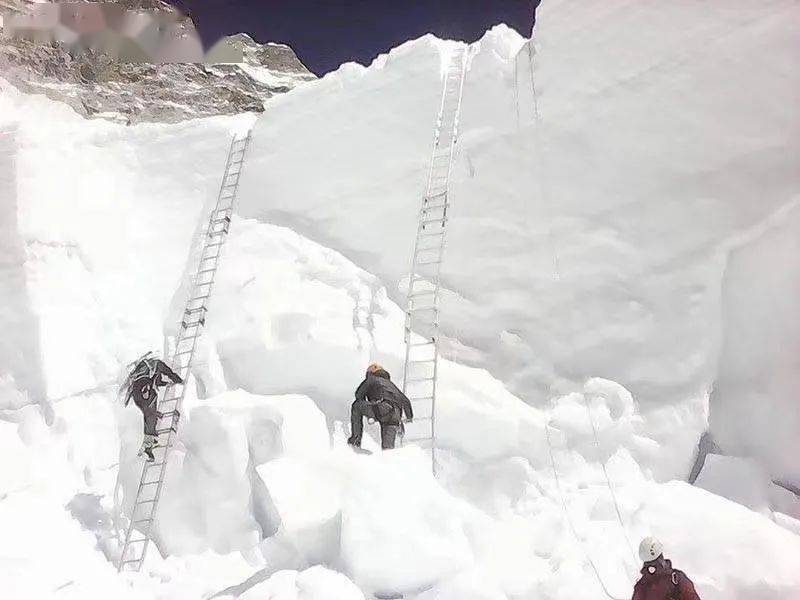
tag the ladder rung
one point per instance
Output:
(194, 310)
(420, 379)
(434, 234)
(428, 262)
(150, 520)
(130, 561)
(420, 398)
(418, 324)
(420, 344)
(439, 220)
(420, 362)
(422, 293)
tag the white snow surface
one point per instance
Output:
(619, 263)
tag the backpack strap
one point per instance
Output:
(676, 593)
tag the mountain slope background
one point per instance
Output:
(95, 84)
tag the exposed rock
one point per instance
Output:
(100, 86)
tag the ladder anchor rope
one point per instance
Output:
(145, 505)
(422, 358)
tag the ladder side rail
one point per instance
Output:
(456, 124)
(437, 132)
(415, 253)
(181, 338)
(437, 138)
(454, 141)
(441, 160)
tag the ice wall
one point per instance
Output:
(99, 234)
(589, 242)
(21, 377)
(755, 406)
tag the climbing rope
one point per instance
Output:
(608, 480)
(541, 161)
(543, 190)
(569, 519)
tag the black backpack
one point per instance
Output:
(141, 377)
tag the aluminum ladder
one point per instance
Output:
(422, 303)
(151, 483)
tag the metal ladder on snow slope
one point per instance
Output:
(422, 308)
(151, 483)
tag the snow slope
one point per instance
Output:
(588, 316)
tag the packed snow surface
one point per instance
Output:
(620, 273)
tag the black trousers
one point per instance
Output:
(150, 415)
(383, 413)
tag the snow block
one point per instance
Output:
(316, 583)
(741, 480)
(400, 530)
(214, 497)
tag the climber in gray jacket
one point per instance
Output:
(379, 399)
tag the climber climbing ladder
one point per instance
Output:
(422, 309)
(143, 512)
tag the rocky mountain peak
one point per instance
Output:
(98, 84)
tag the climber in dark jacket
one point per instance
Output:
(143, 384)
(379, 399)
(659, 580)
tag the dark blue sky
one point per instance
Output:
(327, 33)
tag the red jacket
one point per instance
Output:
(664, 583)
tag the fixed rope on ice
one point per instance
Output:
(570, 523)
(608, 480)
